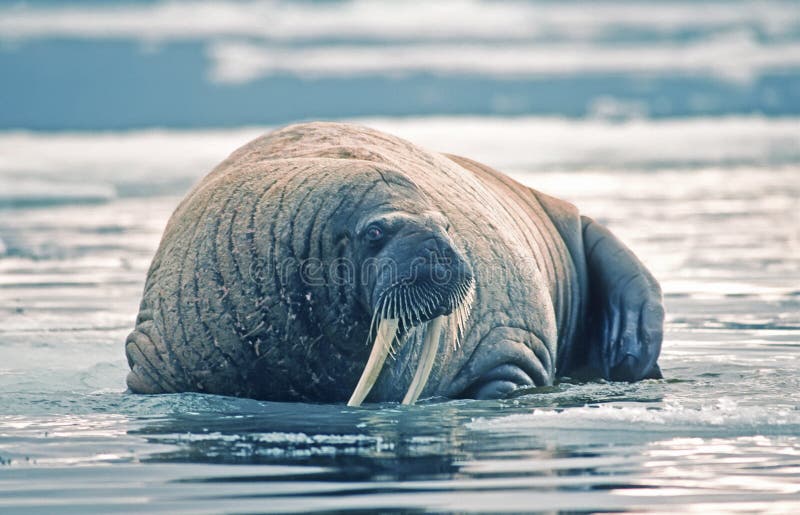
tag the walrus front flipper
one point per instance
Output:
(626, 313)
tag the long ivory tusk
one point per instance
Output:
(387, 329)
(429, 349)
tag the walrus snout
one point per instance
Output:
(429, 278)
(421, 280)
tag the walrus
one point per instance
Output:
(329, 262)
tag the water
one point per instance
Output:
(722, 431)
(80, 65)
(674, 123)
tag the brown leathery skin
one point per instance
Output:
(219, 315)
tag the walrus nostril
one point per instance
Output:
(433, 249)
(439, 270)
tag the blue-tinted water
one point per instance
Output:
(722, 429)
(689, 150)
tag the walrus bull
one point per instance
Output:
(312, 254)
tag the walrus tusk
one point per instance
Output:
(427, 357)
(387, 329)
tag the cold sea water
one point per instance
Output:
(710, 205)
(677, 126)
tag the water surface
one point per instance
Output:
(711, 205)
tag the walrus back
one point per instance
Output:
(552, 230)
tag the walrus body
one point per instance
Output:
(302, 260)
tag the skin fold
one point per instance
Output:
(320, 247)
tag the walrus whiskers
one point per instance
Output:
(405, 305)
(466, 295)
(423, 301)
(461, 301)
(402, 312)
(419, 304)
(452, 330)
(414, 317)
(414, 300)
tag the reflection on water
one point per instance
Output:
(721, 432)
(206, 453)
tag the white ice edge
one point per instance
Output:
(671, 417)
(737, 57)
(385, 19)
(506, 142)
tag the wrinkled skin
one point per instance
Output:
(264, 285)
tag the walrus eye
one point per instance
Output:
(374, 233)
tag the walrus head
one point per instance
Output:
(411, 275)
